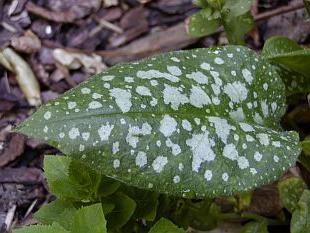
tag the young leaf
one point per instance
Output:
(306, 146)
(146, 201)
(290, 191)
(54, 228)
(70, 179)
(57, 211)
(287, 53)
(89, 219)
(197, 123)
(300, 222)
(165, 226)
(237, 27)
(203, 23)
(124, 209)
(237, 7)
(255, 227)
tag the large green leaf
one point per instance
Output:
(193, 123)
(288, 53)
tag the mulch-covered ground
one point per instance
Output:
(61, 43)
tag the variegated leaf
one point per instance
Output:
(193, 123)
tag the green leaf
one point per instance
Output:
(146, 202)
(288, 54)
(300, 222)
(197, 123)
(124, 209)
(202, 215)
(57, 175)
(165, 226)
(89, 219)
(70, 179)
(54, 228)
(237, 7)
(306, 145)
(237, 27)
(290, 191)
(295, 83)
(57, 211)
(203, 23)
(255, 227)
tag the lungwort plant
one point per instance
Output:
(194, 124)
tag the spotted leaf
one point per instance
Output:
(193, 123)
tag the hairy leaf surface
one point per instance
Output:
(193, 123)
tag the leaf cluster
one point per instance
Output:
(233, 15)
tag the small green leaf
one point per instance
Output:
(165, 226)
(237, 27)
(71, 179)
(202, 215)
(124, 209)
(57, 174)
(255, 227)
(288, 54)
(290, 191)
(146, 201)
(203, 23)
(89, 219)
(237, 7)
(197, 123)
(54, 228)
(300, 222)
(57, 211)
(306, 145)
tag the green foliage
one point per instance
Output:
(123, 210)
(203, 23)
(234, 15)
(306, 146)
(165, 226)
(190, 123)
(290, 191)
(58, 211)
(89, 219)
(293, 62)
(300, 222)
(288, 53)
(255, 227)
(54, 228)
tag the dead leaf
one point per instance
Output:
(28, 43)
(74, 60)
(24, 75)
